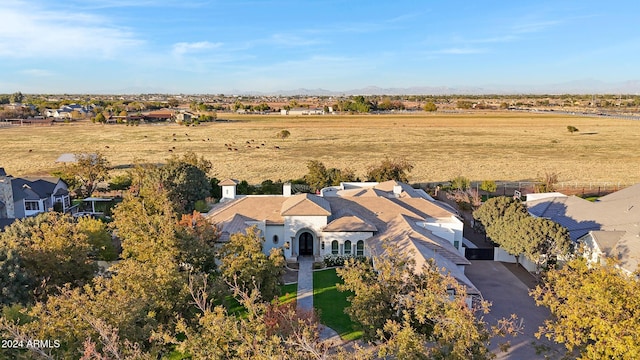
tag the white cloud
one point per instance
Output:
(28, 31)
(182, 48)
(37, 72)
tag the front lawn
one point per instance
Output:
(330, 304)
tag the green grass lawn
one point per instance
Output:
(330, 304)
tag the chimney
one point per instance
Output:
(286, 189)
(6, 195)
(228, 189)
(397, 190)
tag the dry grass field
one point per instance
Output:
(498, 146)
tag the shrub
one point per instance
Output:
(572, 129)
(339, 260)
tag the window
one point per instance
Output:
(360, 248)
(456, 244)
(347, 247)
(334, 247)
(31, 205)
(275, 239)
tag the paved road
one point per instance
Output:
(509, 295)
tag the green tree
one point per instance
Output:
(595, 310)
(489, 186)
(415, 313)
(100, 118)
(243, 262)
(86, 173)
(283, 134)
(464, 104)
(121, 182)
(99, 237)
(16, 97)
(572, 129)
(16, 284)
(173, 102)
(317, 176)
(186, 183)
(390, 169)
(52, 248)
(430, 107)
(507, 223)
(460, 183)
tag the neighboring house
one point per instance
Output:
(159, 115)
(185, 116)
(302, 111)
(353, 219)
(608, 227)
(23, 197)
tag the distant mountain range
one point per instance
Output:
(585, 86)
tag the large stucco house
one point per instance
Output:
(352, 219)
(23, 197)
(607, 228)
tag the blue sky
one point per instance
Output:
(200, 46)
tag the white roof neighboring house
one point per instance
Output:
(612, 223)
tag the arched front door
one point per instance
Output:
(306, 243)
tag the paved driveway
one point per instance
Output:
(509, 295)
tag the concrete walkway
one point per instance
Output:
(305, 283)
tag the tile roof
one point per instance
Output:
(305, 205)
(228, 182)
(349, 223)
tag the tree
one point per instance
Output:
(416, 313)
(17, 285)
(497, 208)
(52, 248)
(185, 184)
(547, 183)
(461, 183)
(317, 176)
(120, 182)
(283, 134)
(390, 169)
(100, 118)
(320, 177)
(16, 97)
(488, 186)
(595, 310)
(88, 171)
(197, 239)
(243, 262)
(430, 107)
(507, 223)
(173, 102)
(572, 129)
(99, 238)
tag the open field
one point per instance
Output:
(497, 146)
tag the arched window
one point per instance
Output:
(360, 248)
(347, 247)
(334, 247)
(275, 239)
